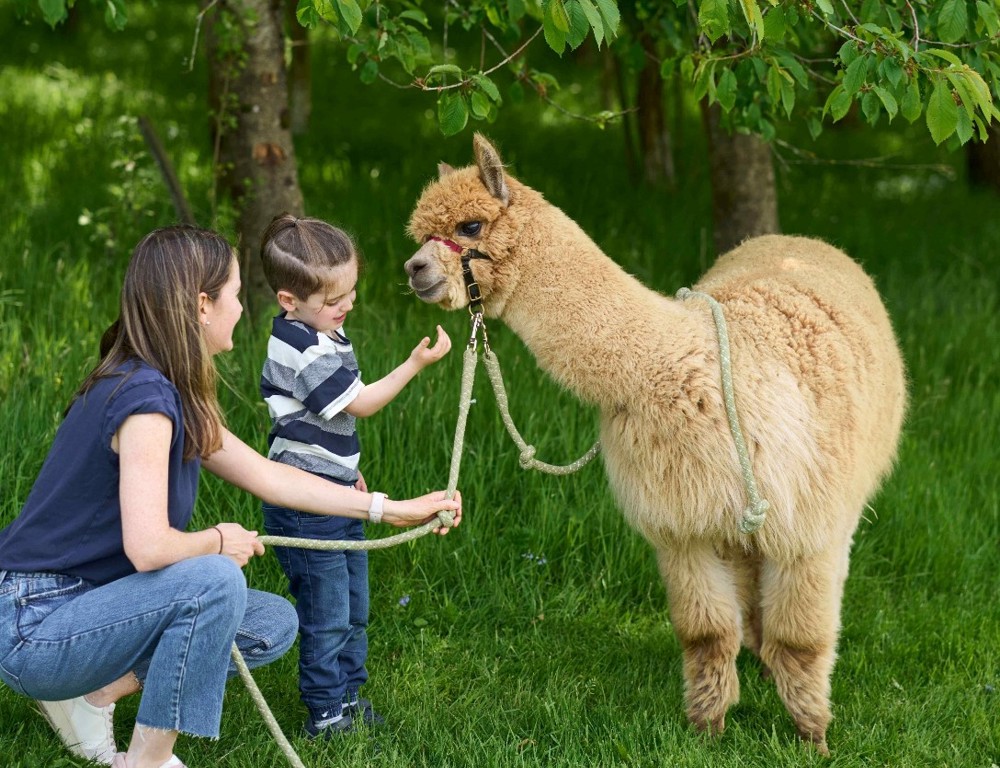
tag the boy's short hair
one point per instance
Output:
(298, 252)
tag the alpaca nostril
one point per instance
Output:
(413, 266)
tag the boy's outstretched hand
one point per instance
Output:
(423, 354)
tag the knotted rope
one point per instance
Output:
(756, 512)
(527, 457)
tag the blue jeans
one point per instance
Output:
(331, 594)
(63, 637)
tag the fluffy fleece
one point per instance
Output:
(820, 390)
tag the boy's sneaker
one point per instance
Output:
(86, 730)
(362, 710)
(344, 725)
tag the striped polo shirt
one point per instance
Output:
(307, 381)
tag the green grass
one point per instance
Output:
(537, 634)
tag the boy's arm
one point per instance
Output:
(373, 397)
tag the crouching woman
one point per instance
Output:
(103, 591)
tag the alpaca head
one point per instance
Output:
(479, 208)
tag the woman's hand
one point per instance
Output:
(238, 543)
(421, 510)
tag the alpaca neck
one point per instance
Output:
(595, 329)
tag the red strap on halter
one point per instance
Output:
(450, 243)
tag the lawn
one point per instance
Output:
(538, 633)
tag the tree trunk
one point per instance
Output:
(654, 136)
(299, 73)
(983, 160)
(249, 93)
(744, 196)
(612, 84)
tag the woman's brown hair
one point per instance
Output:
(159, 324)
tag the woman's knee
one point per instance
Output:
(216, 579)
(269, 627)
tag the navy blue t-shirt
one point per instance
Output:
(71, 522)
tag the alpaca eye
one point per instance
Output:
(470, 228)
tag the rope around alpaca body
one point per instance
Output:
(527, 457)
(756, 512)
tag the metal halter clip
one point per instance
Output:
(478, 325)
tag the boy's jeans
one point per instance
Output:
(62, 637)
(331, 593)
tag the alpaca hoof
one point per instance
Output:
(712, 727)
(818, 741)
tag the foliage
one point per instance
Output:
(381, 34)
(768, 61)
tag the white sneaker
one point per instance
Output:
(86, 730)
(121, 762)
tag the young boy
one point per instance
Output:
(314, 393)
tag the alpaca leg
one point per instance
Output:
(705, 615)
(746, 571)
(801, 620)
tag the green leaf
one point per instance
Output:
(948, 56)
(892, 71)
(911, 105)
(854, 77)
(557, 13)
(481, 105)
(612, 17)
(988, 16)
(774, 25)
(849, 52)
(751, 12)
(725, 91)
(453, 114)
(964, 129)
(579, 27)
(115, 15)
(369, 72)
(942, 112)
(888, 101)
(53, 11)
(870, 107)
(838, 103)
(416, 15)
(594, 19)
(953, 21)
(815, 127)
(871, 10)
(442, 71)
(556, 31)
(713, 18)
(488, 87)
(307, 15)
(826, 6)
(350, 14)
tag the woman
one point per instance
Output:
(103, 592)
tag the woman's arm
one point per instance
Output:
(282, 485)
(143, 446)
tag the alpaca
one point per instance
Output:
(820, 389)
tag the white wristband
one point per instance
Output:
(375, 510)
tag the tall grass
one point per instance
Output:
(537, 634)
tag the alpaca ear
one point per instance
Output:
(444, 169)
(490, 168)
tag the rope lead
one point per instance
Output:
(756, 512)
